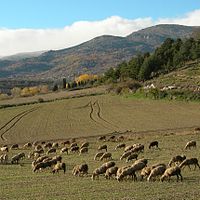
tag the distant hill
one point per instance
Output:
(20, 56)
(94, 56)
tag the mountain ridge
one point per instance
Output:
(94, 56)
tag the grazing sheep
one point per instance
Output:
(83, 150)
(98, 155)
(106, 156)
(102, 169)
(85, 144)
(137, 166)
(52, 150)
(112, 138)
(40, 159)
(67, 142)
(128, 171)
(74, 149)
(102, 138)
(102, 147)
(128, 148)
(145, 172)
(137, 149)
(55, 145)
(59, 166)
(4, 149)
(74, 144)
(80, 170)
(157, 171)
(40, 166)
(153, 144)
(14, 146)
(177, 159)
(131, 157)
(98, 171)
(38, 147)
(120, 146)
(35, 143)
(48, 145)
(172, 171)
(64, 149)
(21, 155)
(125, 155)
(27, 145)
(111, 171)
(190, 161)
(15, 159)
(4, 158)
(120, 138)
(145, 161)
(57, 158)
(109, 164)
(190, 144)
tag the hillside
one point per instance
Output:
(187, 77)
(94, 56)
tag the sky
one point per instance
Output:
(35, 25)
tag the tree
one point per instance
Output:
(64, 83)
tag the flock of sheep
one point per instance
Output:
(43, 157)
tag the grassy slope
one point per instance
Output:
(186, 77)
(77, 118)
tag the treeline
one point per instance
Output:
(172, 54)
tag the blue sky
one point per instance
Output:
(36, 25)
(60, 13)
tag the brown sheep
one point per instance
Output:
(55, 145)
(153, 144)
(4, 149)
(27, 145)
(74, 144)
(21, 155)
(85, 144)
(137, 166)
(138, 148)
(131, 157)
(83, 150)
(64, 149)
(102, 138)
(52, 150)
(145, 172)
(106, 156)
(67, 142)
(80, 170)
(128, 148)
(41, 158)
(98, 171)
(190, 144)
(59, 166)
(98, 155)
(48, 145)
(157, 171)
(112, 138)
(15, 159)
(74, 149)
(128, 171)
(120, 146)
(4, 158)
(177, 159)
(111, 171)
(102, 147)
(190, 161)
(14, 146)
(172, 171)
(125, 155)
(40, 166)
(38, 147)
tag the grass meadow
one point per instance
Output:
(171, 123)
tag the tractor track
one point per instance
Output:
(20, 115)
(100, 117)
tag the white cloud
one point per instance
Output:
(28, 40)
